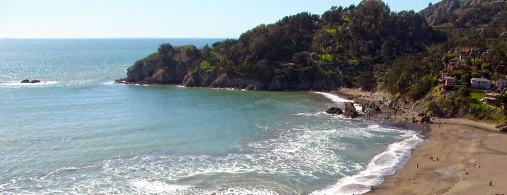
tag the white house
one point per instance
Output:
(480, 83)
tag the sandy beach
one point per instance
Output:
(460, 156)
(465, 160)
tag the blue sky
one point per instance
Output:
(157, 18)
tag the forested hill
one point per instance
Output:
(350, 46)
(443, 80)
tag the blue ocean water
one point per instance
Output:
(77, 132)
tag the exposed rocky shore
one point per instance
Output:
(380, 105)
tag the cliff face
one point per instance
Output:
(150, 71)
(437, 11)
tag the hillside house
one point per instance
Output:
(450, 80)
(501, 84)
(490, 98)
(500, 68)
(457, 66)
(480, 83)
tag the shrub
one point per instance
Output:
(421, 88)
(464, 92)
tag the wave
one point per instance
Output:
(108, 83)
(245, 191)
(338, 99)
(384, 164)
(17, 83)
(157, 187)
(309, 114)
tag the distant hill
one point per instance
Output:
(436, 12)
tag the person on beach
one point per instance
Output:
(417, 165)
(490, 183)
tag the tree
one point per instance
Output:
(367, 81)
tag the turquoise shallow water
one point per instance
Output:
(77, 132)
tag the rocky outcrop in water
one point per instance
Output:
(350, 110)
(334, 110)
(28, 81)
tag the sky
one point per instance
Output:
(157, 18)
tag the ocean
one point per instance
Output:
(77, 132)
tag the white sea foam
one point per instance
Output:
(158, 187)
(309, 114)
(385, 163)
(338, 99)
(17, 83)
(108, 83)
(245, 191)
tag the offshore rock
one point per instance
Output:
(350, 110)
(334, 110)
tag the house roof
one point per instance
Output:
(480, 79)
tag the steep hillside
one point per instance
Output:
(345, 46)
(437, 11)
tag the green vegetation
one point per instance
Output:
(355, 46)
(206, 66)
(474, 48)
(326, 57)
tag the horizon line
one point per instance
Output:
(118, 38)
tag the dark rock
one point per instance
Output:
(425, 119)
(334, 110)
(25, 81)
(35, 81)
(350, 110)
(502, 128)
(120, 81)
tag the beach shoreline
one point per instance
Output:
(456, 159)
(459, 156)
